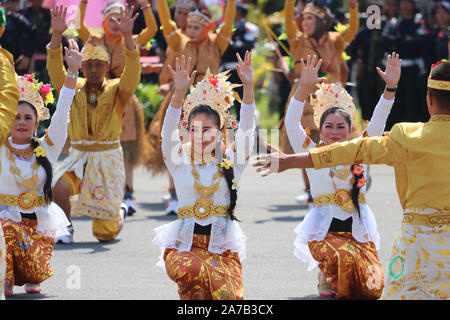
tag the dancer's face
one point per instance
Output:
(95, 71)
(113, 26)
(335, 129)
(308, 23)
(181, 15)
(204, 133)
(25, 124)
(196, 32)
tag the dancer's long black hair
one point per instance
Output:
(42, 161)
(355, 189)
(227, 173)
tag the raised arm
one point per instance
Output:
(170, 138)
(55, 64)
(82, 29)
(289, 21)
(391, 76)
(353, 24)
(57, 131)
(169, 31)
(151, 27)
(9, 94)
(296, 134)
(224, 36)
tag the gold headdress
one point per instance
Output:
(331, 95)
(200, 18)
(323, 14)
(35, 93)
(113, 7)
(438, 84)
(215, 92)
(94, 52)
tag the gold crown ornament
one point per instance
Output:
(35, 93)
(200, 18)
(215, 92)
(94, 52)
(113, 7)
(329, 95)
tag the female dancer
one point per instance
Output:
(203, 248)
(30, 220)
(132, 137)
(205, 49)
(340, 232)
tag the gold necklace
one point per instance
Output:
(20, 181)
(26, 153)
(196, 157)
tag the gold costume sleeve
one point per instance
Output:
(289, 22)
(353, 25)
(55, 67)
(150, 28)
(387, 150)
(131, 75)
(224, 36)
(83, 31)
(169, 31)
(9, 94)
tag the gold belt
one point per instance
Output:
(25, 200)
(341, 197)
(432, 220)
(96, 146)
(202, 210)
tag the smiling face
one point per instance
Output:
(335, 128)
(25, 124)
(204, 133)
(308, 23)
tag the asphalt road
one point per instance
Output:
(125, 269)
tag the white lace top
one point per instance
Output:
(225, 233)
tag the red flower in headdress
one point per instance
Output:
(213, 81)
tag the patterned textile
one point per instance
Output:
(352, 268)
(102, 175)
(202, 275)
(419, 267)
(28, 253)
(2, 264)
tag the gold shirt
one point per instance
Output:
(9, 94)
(103, 122)
(419, 153)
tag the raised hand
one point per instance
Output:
(58, 16)
(393, 70)
(245, 69)
(182, 80)
(73, 57)
(126, 20)
(309, 72)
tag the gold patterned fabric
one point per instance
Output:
(28, 253)
(25, 200)
(419, 266)
(202, 275)
(352, 269)
(2, 264)
(197, 212)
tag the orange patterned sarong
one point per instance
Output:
(203, 275)
(28, 253)
(352, 268)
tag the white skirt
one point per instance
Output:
(51, 219)
(317, 221)
(225, 235)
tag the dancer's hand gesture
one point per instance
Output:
(58, 16)
(308, 78)
(126, 20)
(182, 79)
(73, 57)
(245, 69)
(275, 162)
(393, 70)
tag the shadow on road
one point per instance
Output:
(96, 246)
(25, 296)
(283, 208)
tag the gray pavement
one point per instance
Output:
(125, 268)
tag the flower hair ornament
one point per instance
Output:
(35, 93)
(215, 92)
(329, 95)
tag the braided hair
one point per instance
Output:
(227, 173)
(42, 161)
(358, 173)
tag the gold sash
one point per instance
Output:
(432, 220)
(25, 200)
(202, 210)
(342, 198)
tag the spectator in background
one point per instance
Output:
(366, 56)
(244, 38)
(19, 37)
(441, 30)
(405, 35)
